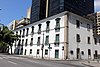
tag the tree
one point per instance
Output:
(7, 38)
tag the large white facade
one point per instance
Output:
(70, 37)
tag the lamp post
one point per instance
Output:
(42, 46)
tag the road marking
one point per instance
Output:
(12, 62)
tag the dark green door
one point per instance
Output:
(56, 53)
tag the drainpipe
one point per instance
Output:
(42, 46)
(47, 5)
(66, 36)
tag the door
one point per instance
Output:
(25, 52)
(96, 54)
(56, 53)
(78, 53)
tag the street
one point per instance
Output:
(14, 61)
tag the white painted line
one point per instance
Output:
(12, 62)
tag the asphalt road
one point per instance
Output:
(14, 61)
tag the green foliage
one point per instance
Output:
(7, 37)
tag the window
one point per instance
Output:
(16, 32)
(77, 24)
(37, 51)
(19, 42)
(39, 29)
(57, 27)
(82, 52)
(57, 40)
(26, 42)
(38, 41)
(88, 27)
(27, 32)
(46, 52)
(32, 30)
(89, 52)
(47, 40)
(71, 52)
(25, 52)
(23, 32)
(31, 43)
(95, 41)
(96, 54)
(77, 38)
(30, 51)
(20, 32)
(22, 42)
(47, 27)
(88, 40)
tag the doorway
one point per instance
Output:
(56, 53)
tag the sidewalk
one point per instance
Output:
(91, 63)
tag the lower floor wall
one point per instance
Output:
(56, 52)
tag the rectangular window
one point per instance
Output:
(38, 41)
(27, 32)
(26, 42)
(30, 51)
(95, 41)
(77, 38)
(47, 27)
(31, 43)
(16, 32)
(22, 42)
(32, 30)
(77, 24)
(19, 42)
(20, 32)
(39, 29)
(46, 52)
(37, 51)
(88, 27)
(47, 40)
(89, 52)
(88, 40)
(57, 40)
(25, 52)
(23, 32)
(57, 27)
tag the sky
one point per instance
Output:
(16, 9)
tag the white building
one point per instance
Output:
(98, 22)
(63, 36)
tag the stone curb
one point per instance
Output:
(87, 64)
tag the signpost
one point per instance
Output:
(49, 50)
